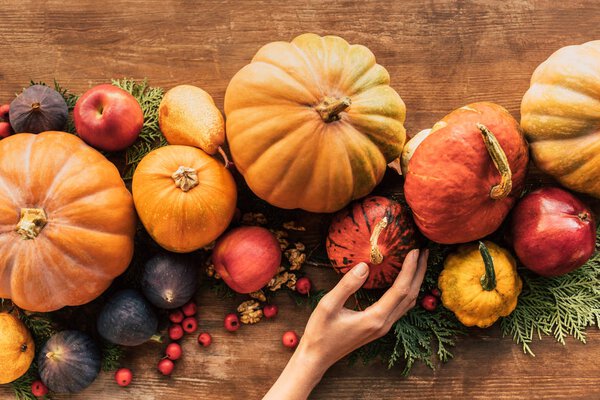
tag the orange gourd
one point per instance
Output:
(184, 197)
(313, 123)
(66, 221)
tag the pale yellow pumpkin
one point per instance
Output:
(560, 114)
(313, 123)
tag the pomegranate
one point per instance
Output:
(247, 258)
(553, 232)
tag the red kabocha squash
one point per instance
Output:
(463, 176)
(377, 231)
(66, 221)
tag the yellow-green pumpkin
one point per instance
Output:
(312, 123)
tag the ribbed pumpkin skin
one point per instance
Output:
(349, 233)
(287, 153)
(88, 239)
(560, 114)
(69, 362)
(183, 221)
(450, 175)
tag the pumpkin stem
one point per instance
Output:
(498, 156)
(330, 108)
(488, 281)
(31, 223)
(376, 257)
(185, 178)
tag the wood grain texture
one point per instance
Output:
(440, 55)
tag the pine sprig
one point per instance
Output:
(22, 386)
(150, 137)
(111, 356)
(560, 307)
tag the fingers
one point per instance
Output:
(410, 300)
(401, 287)
(348, 285)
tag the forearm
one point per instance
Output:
(301, 374)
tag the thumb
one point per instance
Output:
(349, 284)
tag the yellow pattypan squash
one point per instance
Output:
(16, 348)
(481, 284)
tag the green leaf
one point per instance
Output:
(150, 137)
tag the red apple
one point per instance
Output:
(553, 232)
(108, 118)
(5, 128)
(247, 258)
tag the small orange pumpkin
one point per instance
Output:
(66, 221)
(16, 348)
(184, 197)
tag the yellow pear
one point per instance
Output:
(187, 115)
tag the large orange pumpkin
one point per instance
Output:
(464, 175)
(184, 197)
(313, 123)
(560, 115)
(66, 221)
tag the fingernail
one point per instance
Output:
(360, 270)
(415, 254)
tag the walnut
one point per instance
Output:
(291, 226)
(210, 270)
(296, 258)
(250, 312)
(281, 238)
(283, 278)
(258, 295)
(250, 218)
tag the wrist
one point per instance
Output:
(312, 364)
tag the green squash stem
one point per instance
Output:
(488, 281)
(502, 189)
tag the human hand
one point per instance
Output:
(334, 331)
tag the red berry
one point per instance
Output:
(4, 110)
(189, 309)
(429, 302)
(232, 322)
(190, 324)
(205, 339)
(290, 339)
(436, 292)
(303, 285)
(175, 332)
(5, 129)
(176, 316)
(38, 389)
(166, 366)
(173, 351)
(270, 310)
(123, 376)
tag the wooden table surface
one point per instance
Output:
(440, 55)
